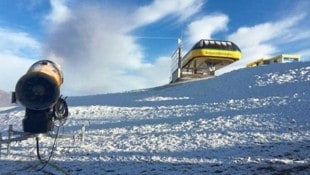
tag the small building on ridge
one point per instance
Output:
(283, 58)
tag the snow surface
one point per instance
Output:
(249, 121)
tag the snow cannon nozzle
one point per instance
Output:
(39, 88)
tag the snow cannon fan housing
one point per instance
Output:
(39, 92)
(39, 88)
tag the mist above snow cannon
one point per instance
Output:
(39, 92)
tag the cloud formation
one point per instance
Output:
(258, 34)
(159, 9)
(59, 12)
(17, 49)
(97, 52)
(99, 56)
(262, 40)
(12, 68)
(18, 43)
(205, 27)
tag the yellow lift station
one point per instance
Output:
(203, 59)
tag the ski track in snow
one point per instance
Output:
(249, 121)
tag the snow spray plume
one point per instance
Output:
(95, 51)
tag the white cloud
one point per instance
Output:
(162, 8)
(266, 32)
(18, 43)
(261, 40)
(157, 72)
(12, 68)
(17, 51)
(59, 12)
(205, 27)
(98, 56)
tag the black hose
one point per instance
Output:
(45, 162)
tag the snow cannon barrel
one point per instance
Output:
(39, 88)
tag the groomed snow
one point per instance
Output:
(249, 121)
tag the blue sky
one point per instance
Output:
(111, 46)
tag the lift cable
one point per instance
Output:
(156, 37)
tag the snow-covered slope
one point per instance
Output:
(249, 121)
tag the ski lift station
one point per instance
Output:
(203, 59)
(207, 56)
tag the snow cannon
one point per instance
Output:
(39, 92)
(39, 88)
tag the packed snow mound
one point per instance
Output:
(249, 121)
